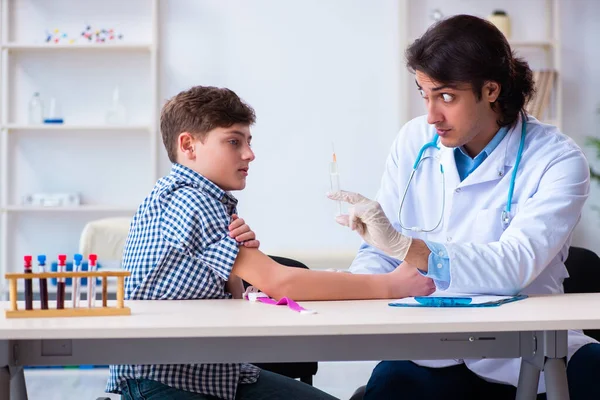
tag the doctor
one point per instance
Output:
(478, 197)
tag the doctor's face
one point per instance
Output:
(460, 119)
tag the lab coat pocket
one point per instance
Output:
(488, 224)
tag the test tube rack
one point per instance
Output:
(103, 310)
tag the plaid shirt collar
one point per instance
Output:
(193, 178)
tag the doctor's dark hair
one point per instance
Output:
(467, 49)
(200, 110)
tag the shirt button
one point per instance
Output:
(441, 254)
(439, 265)
(449, 239)
(457, 190)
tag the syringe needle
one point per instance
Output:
(335, 180)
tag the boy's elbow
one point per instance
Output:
(264, 274)
(279, 285)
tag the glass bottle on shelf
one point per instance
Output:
(54, 113)
(36, 109)
(500, 19)
(117, 113)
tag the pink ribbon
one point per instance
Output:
(292, 305)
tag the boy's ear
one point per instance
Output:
(186, 145)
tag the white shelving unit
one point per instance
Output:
(77, 209)
(17, 47)
(552, 49)
(140, 135)
(78, 128)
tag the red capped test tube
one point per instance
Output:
(60, 286)
(28, 284)
(91, 295)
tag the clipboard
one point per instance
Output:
(475, 301)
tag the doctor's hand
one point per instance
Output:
(241, 232)
(367, 218)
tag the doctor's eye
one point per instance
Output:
(447, 97)
(422, 93)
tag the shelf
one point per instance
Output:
(22, 47)
(81, 209)
(67, 127)
(543, 44)
(532, 43)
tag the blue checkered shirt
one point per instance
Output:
(179, 248)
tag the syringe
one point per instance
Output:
(335, 181)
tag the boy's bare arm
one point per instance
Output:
(279, 281)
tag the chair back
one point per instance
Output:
(584, 276)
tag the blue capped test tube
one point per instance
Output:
(75, 288)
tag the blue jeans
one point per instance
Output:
(269, 386)
(406, 380)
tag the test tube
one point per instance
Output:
(334, 177)
(43, 282)
(28, 284)
(77, 258)
(91, 294)
(60, 285)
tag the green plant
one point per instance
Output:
(595, 143)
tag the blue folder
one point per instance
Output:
(456, 301)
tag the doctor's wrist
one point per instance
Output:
(418, 255)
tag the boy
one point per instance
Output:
(179, 247)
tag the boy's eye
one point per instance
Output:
(234, 142)
(447, 97)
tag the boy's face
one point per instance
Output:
(223, 156)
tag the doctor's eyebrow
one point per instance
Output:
(436, 89)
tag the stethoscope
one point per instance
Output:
(505, 217)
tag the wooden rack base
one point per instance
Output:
(98, 311)
(69, 312)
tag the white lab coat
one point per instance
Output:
(551, 186)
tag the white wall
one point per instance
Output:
(316, 72)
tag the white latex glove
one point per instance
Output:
(368, 219)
